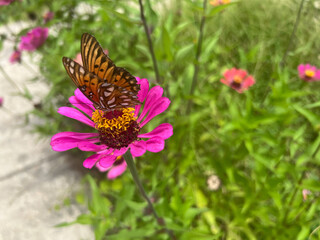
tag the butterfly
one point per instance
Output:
(107, 86)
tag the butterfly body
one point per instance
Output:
(109, 87)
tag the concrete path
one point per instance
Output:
(33, 178)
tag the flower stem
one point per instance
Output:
(155, 65)
(293, 196)
(283, 60)
(129, 159)
(196, 63)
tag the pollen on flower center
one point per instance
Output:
(118, 128)
(309, 73)
(237, 79)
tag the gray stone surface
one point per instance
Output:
(33, 178)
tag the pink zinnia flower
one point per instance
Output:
(34, 39)
(308, 72)
(15, 57)
(78, 58)
(48, 16)
(118, 167)
(5, 2)
(237, 79)
(305, 193)
(115, 131)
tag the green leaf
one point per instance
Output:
(217, 9)
(310, 116)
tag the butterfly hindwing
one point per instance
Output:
(114, 97)
(95, 61)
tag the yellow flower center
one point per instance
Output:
(116, 128)
(237, 79)
(309, 73)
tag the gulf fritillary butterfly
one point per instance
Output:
(109, 87)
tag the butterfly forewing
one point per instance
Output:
(105, 96)
(95, 61)
(87, 82)
(93, 57)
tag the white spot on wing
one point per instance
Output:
(82, 70)
(111, 101)
(106, 94)
(71, 70)
(72, 64)
(111, 89)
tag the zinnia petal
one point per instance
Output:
(90, 147)
(152, 97)
(144, 88)
(67, 143)
(164, 130)
(74, 135)
(101, 169)
(249, 81)
(107, 160)
(138, 148)
(119, 152)
(75, 114)
(80, 105)
(91, 161)
(82, 98)
(155, 144)
(156, 109)
(117, 170)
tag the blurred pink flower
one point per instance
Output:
(1, 101)
(116, 131)
(78, 58)
(219, 2)
(238, 79)
(5, 2)
(305, 193)
(308, 72)
(117, 168)
(48, 16)
(15, 57)
(34, 39)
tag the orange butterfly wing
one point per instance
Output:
(105, 96)
(95, 61)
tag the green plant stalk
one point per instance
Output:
(154, 61)
(293, 196)
(129, 160)
(284, 58)
(198, 53)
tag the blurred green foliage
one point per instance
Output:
(263, 144)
